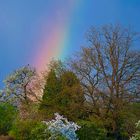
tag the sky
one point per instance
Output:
(35, 31)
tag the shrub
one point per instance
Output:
(34, 130)
(7, 116)
(90, 131)
(30, 130)
(40, 132)
(21, 130)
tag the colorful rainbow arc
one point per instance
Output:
(53, 44)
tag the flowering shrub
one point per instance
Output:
(137, 134)
(61, 126)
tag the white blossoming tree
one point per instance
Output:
(62, 126)
(17, 83)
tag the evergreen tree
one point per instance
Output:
(63, 94)
(52, 86)
(51, 90)
(71, 99)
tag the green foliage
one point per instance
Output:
(91, 131)
(71, 98)
(40, 132)
(52, 86)
(29, 130)
(134, 107)
(7, 116)
(69, 79)
(50, 93)
(63, 94)
(21, 129)
(136, 136)
(32, 130)
(131, 115)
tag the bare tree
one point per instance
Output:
(109, 70)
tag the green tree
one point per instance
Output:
(62, 93)
(51, 91)
(71, 99)
(52, 86)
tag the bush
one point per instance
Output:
(21, 130)
(7, 116)
(29, 130)
(90, 131)
(40, 132)
(33, 130)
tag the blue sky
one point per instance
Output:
(21, 25)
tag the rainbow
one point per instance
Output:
(54, 40)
